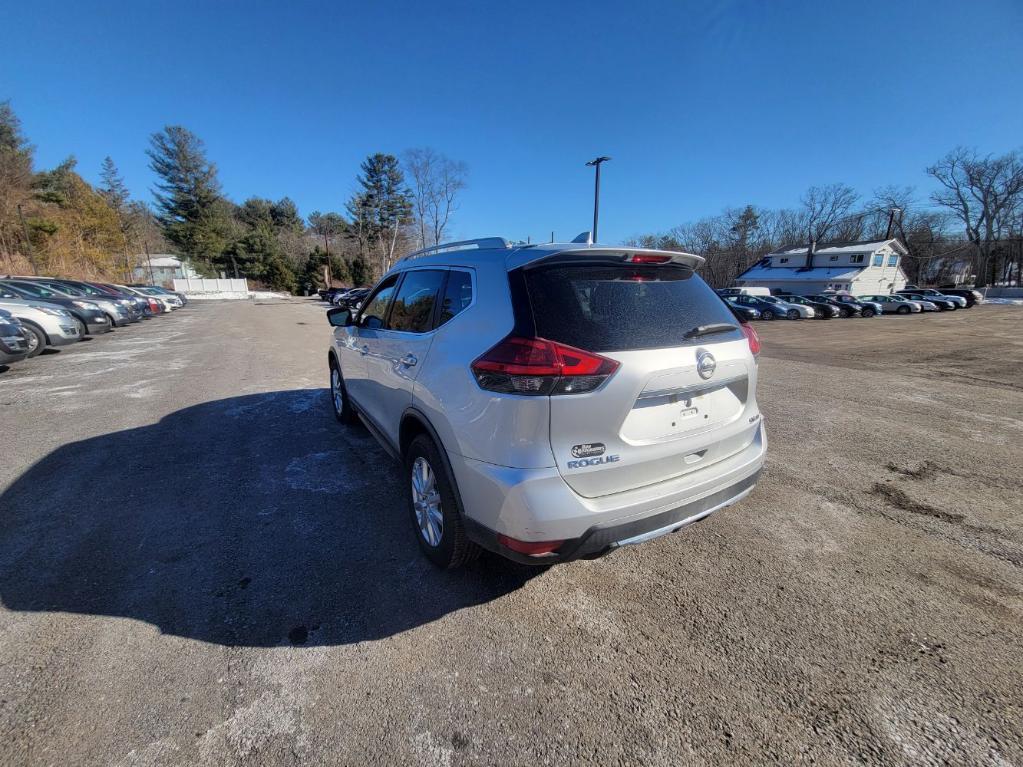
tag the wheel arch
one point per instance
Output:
(36, 326)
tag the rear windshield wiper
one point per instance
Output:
(706, 330)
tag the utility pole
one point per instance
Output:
(596, 163)
(149, 260)
(28, 242)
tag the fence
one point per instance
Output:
(203, 288)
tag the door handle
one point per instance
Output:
(364, 350)
(409, 360)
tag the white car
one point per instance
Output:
(786, 308)
(47, 324)
(895, 304)
(551, 402)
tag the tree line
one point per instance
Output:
(971, 227)
(55, 222)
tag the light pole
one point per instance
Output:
(596, 193)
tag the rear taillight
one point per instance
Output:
(752, 337)
(537, 366)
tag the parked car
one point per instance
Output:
(90, 317)
(821, 309)
(940, 303)
(930, 294)
(770, 307)
(159, 304)
(45, 324)
(159, 289)
(867, 308)
(351, 299)
(894, 304)
(844, 309)
(744, 313)
(973, 297)
(13, 339)
(126, 311)
(551, 402)
(116, 312)
(744, 291)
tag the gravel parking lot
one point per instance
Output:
(199, 566)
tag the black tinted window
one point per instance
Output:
(613, 308)
(457, 295)
(412, 310)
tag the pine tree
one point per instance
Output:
(15, 179)
(381, 207)
(190, 208)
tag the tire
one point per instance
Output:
(339, 401)
(843, 314)
(868, 312)
(83, 329)
(951, 307)
(36, 339)
(435, 508)
(903, 310)
(792, 314)
(113, 322)
(767, 314)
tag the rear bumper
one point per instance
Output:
(537, 505)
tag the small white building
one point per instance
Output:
(857, 267)
(165, 268)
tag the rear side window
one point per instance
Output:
(457, 295)
(412, 311)
(614, 308)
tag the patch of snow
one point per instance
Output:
(1005, 301)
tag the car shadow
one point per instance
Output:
(251, 521)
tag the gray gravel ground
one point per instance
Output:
(199, 566)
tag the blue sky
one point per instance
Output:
(701, 105)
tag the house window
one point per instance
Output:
(783, 261)
(856, 258)
(878, 260)
(893, 260)
(833, 258)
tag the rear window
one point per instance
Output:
(615, 308)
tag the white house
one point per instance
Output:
(857, 267)
(162, 268)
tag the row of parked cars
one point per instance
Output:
(766, 304)
(346, 298)
(41, 312)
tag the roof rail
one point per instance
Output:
(482, 243)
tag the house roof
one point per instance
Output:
(787, 274)
(838, 248)
(162, 259)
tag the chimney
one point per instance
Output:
(810, 250)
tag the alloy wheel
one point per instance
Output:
(426, 502)
(337, 392)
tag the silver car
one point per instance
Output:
(551, 402)
(13, 339)
(47, 325)
(894, 304)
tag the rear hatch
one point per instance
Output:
(679, 400)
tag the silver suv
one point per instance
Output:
(551, 402)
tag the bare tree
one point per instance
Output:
(437, 182)
(825, 208)
(982, 192)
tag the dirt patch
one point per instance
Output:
(922, 470)
(900, 500)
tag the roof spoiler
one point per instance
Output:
(691, 260)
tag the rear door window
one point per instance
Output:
(412, 310)
(619, 307)
(457, 295)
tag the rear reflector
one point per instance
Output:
(537, 366)
(752, 337)
(647, 258)
(532, 548)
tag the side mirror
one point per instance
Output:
(339, 318)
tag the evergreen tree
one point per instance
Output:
(189, 206)
(380, 208)
(113, 188)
